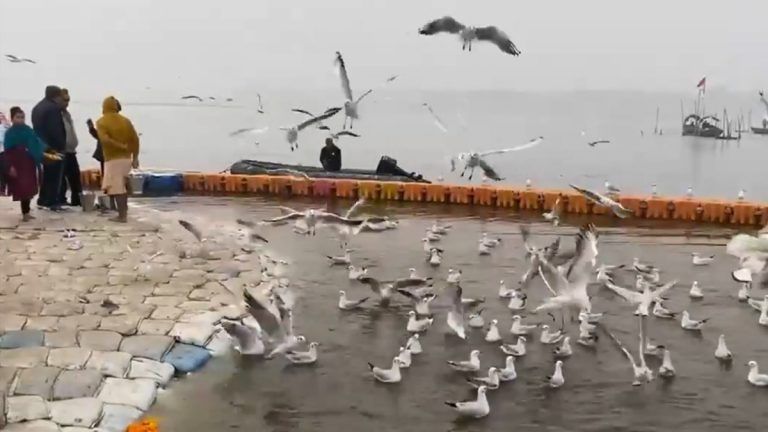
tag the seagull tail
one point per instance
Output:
(451, 404)
(370, 366)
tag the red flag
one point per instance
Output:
(702, 84)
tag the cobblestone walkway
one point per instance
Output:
(94, 320)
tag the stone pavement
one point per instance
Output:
(94, 320)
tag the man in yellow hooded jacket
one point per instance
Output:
(120, 144)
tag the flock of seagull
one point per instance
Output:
(569, 276)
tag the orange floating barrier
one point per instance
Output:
(529, 200)
(257, 184)
(346, 188)
(507, 198)
(743, 214)
(576, 203)
(323, 187)
(194, 182)
(460, 194)
(215, 183)
(437, 193)
(632, 203)
(300, 186)
(549, 198)
(713, 211)
(685, 209)
(414, 192)
(279, 185)
(369, 190)
(236, 184)
(484, 195)
(658, 208)
(391, 191)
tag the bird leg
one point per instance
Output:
(351, 121)
(345, 123)
(470, 45)
(471, 173)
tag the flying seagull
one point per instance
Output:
(261, 107)
(350, 105)
(602, 200)
(192, 97)
(320, 125)
(13, 59)
(474, 159)
(594, 143)
(254, 131)
(491, 34)
(392, 78)
(439, 123)
(292, 133)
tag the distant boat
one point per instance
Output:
(706, 126)
(759, 130)
(762, 130)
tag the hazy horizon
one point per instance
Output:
(96, 47)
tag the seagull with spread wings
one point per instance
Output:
(467, 34)
(473, 160)
(292, 133)
(602, 200)
(192, 97)
(350, 105)
(568, 284)
(312, 218)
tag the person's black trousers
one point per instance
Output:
(71, 180)
(50, 189)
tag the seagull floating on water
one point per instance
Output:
(660, 311)
(550, 337)
(477, 408)
(303, 357)
(518, 328)
(517, 349)
(454, 276)
(509, 373)
(564, 350)
(344, 260)
(755, 377)
(722, 352)
(416, 325)
(690, 324)
(492, 381)
(666, 370)
(471, 365)
(741, 194)
(476, 319)
(554, 214)
(744, 292)
(491, 34)
(414, 345)
(247, 340)
(387, 376)
(699, 260)
(518, 301)
(493, 335)
(356, 273)
(404, 357)
(347, 304)
(435, 256)
(557, 379)
(505, 292)
(695, 292)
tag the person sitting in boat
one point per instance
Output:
(330, 156)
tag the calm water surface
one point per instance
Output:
(234, 393)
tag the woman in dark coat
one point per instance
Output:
(23, 156)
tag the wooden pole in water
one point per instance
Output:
(656, 127)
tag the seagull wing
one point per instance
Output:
(553, 278)
(627, 294)
(455, 316)
(586, 253)
(330, 218)
(488, 170)
(192, 229)
(11, 57)
(619, 345)
(264, 310)
(292, 216)
(246, 223)
(364, 95)
(439, 123)
(664, 288)
(29, 61)
(345, 133)
(411, 282)
(525, 232)
(498, 37)
(532, 143)
(301, 111)
(341, 69)
(373, 283)
(445, 24)
(324, 116)
(354, 208)
(556, 208)
(252, 130)
(594, 196)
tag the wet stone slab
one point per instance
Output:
(61, 339)
(100, 340)
(23, 357)
(123, 324)
(77, 384)
(153, 347)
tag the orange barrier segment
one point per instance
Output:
(507, 198)
(685, 209)
(300, 186)
(437, 193)
(460, 194)
(279, 185)
(484, 195)
(391, 190)
(414, 192)
(346, 189)
(369, 190)
(257, 184)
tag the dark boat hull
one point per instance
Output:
(760, 131)
(386, 171)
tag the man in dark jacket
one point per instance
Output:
(330, 156)
(49, 125)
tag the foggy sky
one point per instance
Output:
(180, 46)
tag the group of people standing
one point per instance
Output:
(43, 158)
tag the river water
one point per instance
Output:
(338, 393)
